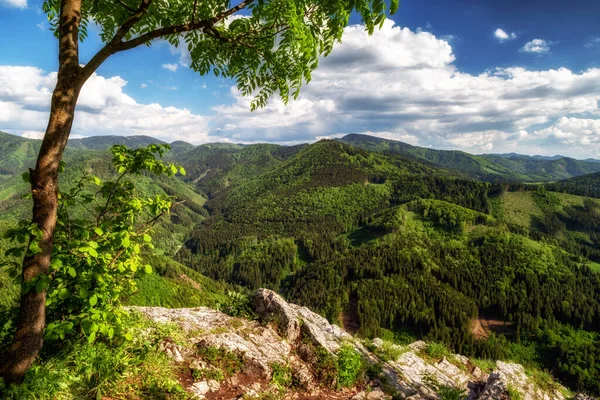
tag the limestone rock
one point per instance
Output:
(409, 376)
(272, 308)
(512, 376)
(199, 389)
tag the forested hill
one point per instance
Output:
(227, 162)
(488, 167)
(390, 246)
(586, 185)
(384, 243)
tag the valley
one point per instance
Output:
(496, 257)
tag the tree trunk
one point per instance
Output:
(29, 336)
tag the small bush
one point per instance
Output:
(76, 369)
(350, 366)
(237, 305)
(436, 350)
(226, 361)
(513, 393)
(207, 374)
(444, 392)
(282, 375)
(326, 367)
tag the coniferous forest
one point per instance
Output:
(385, 244)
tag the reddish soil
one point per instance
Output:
(482, 327)
(243, 382)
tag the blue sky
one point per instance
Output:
(479, 76)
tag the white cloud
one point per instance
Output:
(103, 109)
(14, 3)
(42, 25)
(144, 85)
(537, 46)
(503, 36)
(593, 42)
(404, 85)
(574, 132)
(397, 84)
(170, 67)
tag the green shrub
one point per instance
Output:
(237, 305)
(436, 350)
(326, 367)
(282, 375)
(445, 392)
(350, 366)
(218, 357)
(207, 374)
(77, 369)
(513, 393)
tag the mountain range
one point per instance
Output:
(384, 238)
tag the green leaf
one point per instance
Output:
(56, 264)
(182, 171)
(148, 269)
(93, 300)
(26, 177)
(92, 337)
(41, 284)
(92, 252)
(83, 293)
(173, 168)
(128, 336)
(147, 238)
(63, 293)
(125, 241)
(34, 247)
(72, 272)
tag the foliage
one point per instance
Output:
(350, 366)
(220, 358)
(326, 367)
(282, 375)
(125, 369)
(397, 246)
(237, 305)
(96, 255)
(436, 350)
(513, 394)
(445, 392)
(388, 351)
(268, 51)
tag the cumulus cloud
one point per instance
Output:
(170, 67)
(103, 109)
(503, 36)
(14, 3)
(537, 46)
(397, 84)
(404, 85)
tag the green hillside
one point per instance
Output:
(383, 242)
(395, 247)
(487, 167)
(586, 185)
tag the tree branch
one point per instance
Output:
(194, 11)
(132, 10)
(117, 45)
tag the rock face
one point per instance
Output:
(288, 336)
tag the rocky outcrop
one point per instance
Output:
(287, 337)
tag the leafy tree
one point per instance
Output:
(272, 47)
(101, 230)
